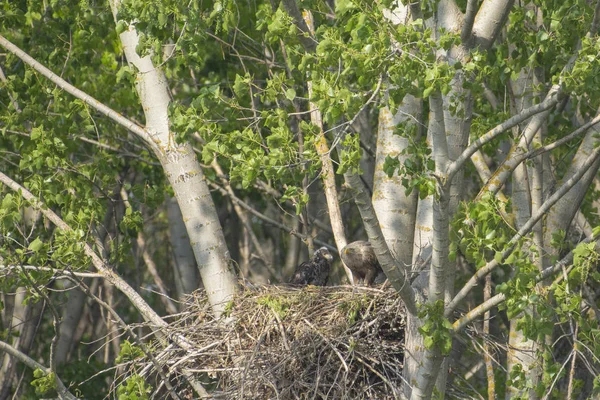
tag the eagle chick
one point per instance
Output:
(362, 261)
(314, 271)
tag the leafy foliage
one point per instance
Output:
(43, 382)
(436, 329)
(129, 352)
(134, 388)
(239, 76)
(480, 232)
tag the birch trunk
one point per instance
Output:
(449, 133)
(395, 210)
(564, 211)
(527, 198)
(185, 176)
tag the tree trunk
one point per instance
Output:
(185, 176)
(184, 264)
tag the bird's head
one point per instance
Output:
(358, 247)
(324, 253)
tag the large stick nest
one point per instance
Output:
(283, 342)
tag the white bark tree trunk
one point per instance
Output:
(185, 176)
(395, 210)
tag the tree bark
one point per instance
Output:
(395, 210)
(185, 176)
(184, 263)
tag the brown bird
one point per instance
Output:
(314, 271)
(362, 261)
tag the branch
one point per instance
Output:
(13, 99)
(499, 129)
(306, 38)
(487, 305)
(151, 267)
(244, 218)
(505, 170)
(150, 264)
(470, 13)
(63, 392)
(327, 172)
(489, 21)
(87, 99)
(86, 289)
(595, 20)
(62, 273)
(55, 318)
(147, 312)
(487, 357)
(515, 156)
(489, 267)
(582, 129)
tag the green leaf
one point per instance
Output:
(240, 87)
(498, 257)
(290, 94)
(36, 245)
(121, 27)
(510, 259)
(428, 342)
(343, 6)
(390, 165)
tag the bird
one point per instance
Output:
(314, 271)
(362, 261)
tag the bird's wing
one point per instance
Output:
(303, 274)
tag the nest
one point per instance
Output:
(294, 343)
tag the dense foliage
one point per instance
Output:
(243, 78)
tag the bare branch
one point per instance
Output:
(268, 220)
(244, 218)
(499, 129)
(127, 328)
(7, 269)
(150, 264)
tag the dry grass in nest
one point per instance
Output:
(283, 342)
